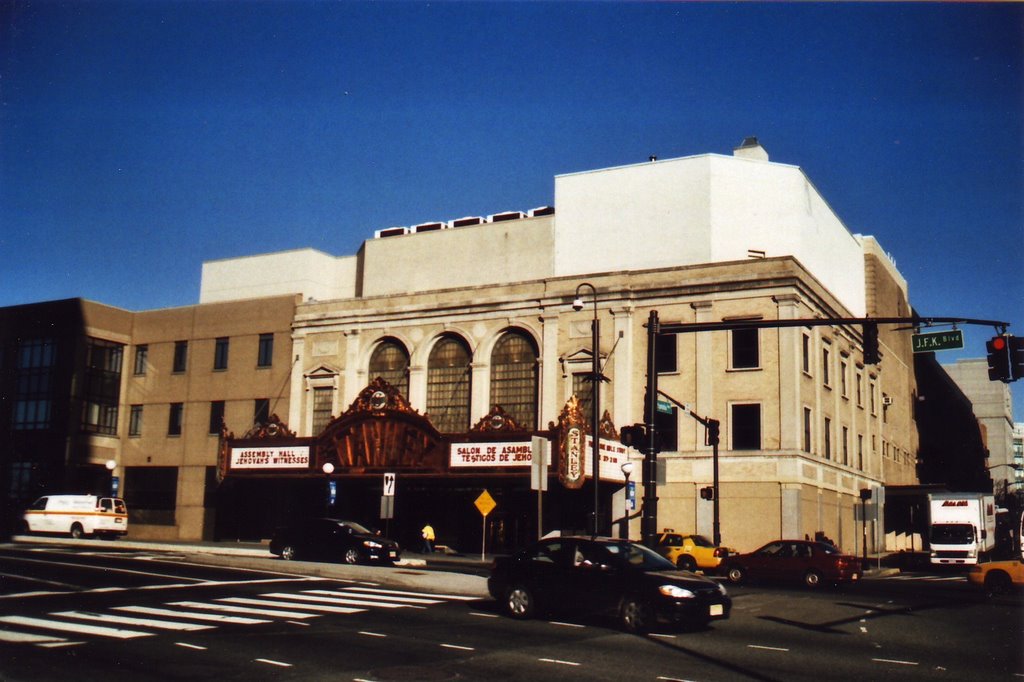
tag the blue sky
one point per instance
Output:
(138, 139)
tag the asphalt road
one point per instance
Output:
(170, 617)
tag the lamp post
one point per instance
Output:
(627, 469)
(115, 482)
(328, 469)
(595, 398)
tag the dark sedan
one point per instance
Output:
(813, 563)
(333, 540)
(582, 576)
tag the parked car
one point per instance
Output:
(813, 563)
(997, 577)
(583, 576)
(691, 552)
(333, 540)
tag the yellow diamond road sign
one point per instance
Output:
(485, 503)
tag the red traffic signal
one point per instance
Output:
(999, 366)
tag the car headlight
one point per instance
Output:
(372, 544)
(676, 592)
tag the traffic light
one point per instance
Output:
(633, 436)
(712, 432)
(1017, 357)
(999, 367)
(869, 332)
(707, 493)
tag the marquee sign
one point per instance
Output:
(270, 457)
(511, 454)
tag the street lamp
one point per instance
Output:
(328, 469)
(115, 482)
(595, 397)
(626, 468)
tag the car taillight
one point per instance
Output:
(718, 552)
(841, 563)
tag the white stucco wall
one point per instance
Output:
(309, 272)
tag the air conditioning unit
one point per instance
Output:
(886, 400)
(391, 232)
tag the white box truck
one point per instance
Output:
(962, 527)
(77, 515)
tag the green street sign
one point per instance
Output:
(665, 407)
(932, 341)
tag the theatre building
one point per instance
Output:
(415, 373)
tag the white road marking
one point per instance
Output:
(28, 578)
(192, 615)
(228, 608)
(484, 615)
(268, 661)
(766, 648)
(429, 595)
(80, 628)
(382, 597)
(127, 620)
(334, 600)
(54, 645)
(890, 660)
(663, 636)
(566, 625)
(13, 636)
(371, 634)
(191, 646)
(456, 646)
(291, 605)
(555, 660)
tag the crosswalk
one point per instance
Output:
(131, 621)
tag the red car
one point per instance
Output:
(813, 563)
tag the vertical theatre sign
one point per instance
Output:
(571, 442)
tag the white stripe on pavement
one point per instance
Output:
(292, 605)
(192, 615)
(334, 600)
(128, 620)
(381, 597)
(13, 636)
(80, 628)
(244, 609)
(459, 597)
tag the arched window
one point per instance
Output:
(390, 361)
(448, 375)
(514, 377)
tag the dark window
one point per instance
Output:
(806, 354)
(174, 420)
(180, 356)
(828, 438)
(323, 399)
(807, 429)
(448, 380)
(261, 411)
(746, 427)
(141, 359)
(745, 352)
(665, 353)
(151, 494)
(34, 366)
(667, 427)
(583, 389)
(826, 363)
(220, 353)
(514, 377)
(216, 416)
(135, 421)
(846, 446)
(265, 356)
(390, 362)
(102, 392)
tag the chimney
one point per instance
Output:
(751, 149)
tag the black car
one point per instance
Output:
(583, 575)
(333, 540)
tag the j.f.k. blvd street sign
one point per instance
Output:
(932, 341)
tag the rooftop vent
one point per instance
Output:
(391, 232)
(469, 220)
(429, 227)
(750, 148)
(507, 215)
(542, 210)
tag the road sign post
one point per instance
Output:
(485, 504)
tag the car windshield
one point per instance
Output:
(701, 541)
(639, 556)
(827, 548)
(952, 534)
(356, 528)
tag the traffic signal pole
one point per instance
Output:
(649, 515)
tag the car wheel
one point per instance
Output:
(77, 532)
(520, 603)
(288, 552)
(812, 579)
(997, 582)
(686, 563)
(352, 556)
(635, 615)
(735, 574)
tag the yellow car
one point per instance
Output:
(691, 552)
(998, 577)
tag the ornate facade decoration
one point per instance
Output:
(571, 429)
(496, 420)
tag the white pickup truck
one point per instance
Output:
(77, 516)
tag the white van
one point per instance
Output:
(77, 515)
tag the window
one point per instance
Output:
(261, 411)
(846, 446)
(860, 390)
(666, 354)
(323, 408)
(34, 368)
(807, 429)
(141, 360)
(151, 494)
(448, 377)
(390, 362)
(806, 354)
(872, 394)
(828, 438)
(843, 384)
(175, 419)
(667, 427)
(220, 353)
(860, 452)
(265, 356)
(135, 421)
(22, 481)
(583, 389)
(514, 377)
(746, 427)
(102, 386)
(180, 356)
(745, 352)
(216, 416)
(826, 376)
